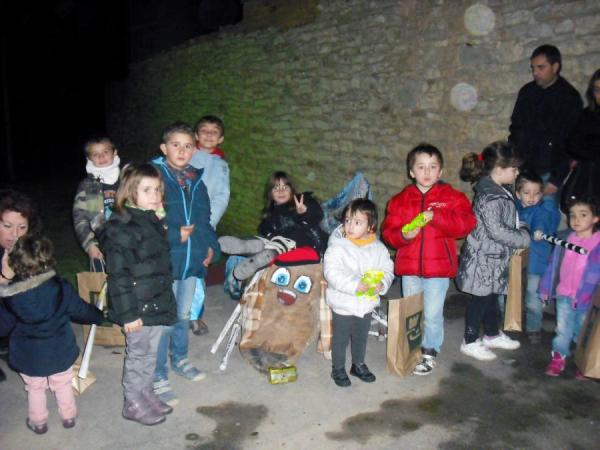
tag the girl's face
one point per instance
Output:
(582, 220)
(12, 226)
(148, 194)
(426, 171)
(356, 226)
(281, 192)
(505, 175)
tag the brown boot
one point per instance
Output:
(141, 413)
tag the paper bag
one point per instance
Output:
(587, 356)
(405, 333)
(517, 284)
(89, 285)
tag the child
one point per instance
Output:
(193, 244)
(539, 213)
(483, 269)
(289, 220)
(426, 257)
(95, 195)
(210, 132)
(572, 279)
(42, 344)
(139, 284)
(353, 250)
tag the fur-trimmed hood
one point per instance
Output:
(18, 287)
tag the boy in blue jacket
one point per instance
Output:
(193, 245)
(540, 213)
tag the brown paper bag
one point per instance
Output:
(405, 333)
(517, 284)
(89, 285)
(587, 356)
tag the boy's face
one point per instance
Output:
(582, 220)
(209, 136)
(426, 171)
(101, 154)
(356, 226)
(530, 194)
(178, 150)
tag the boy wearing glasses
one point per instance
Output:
(209, 133)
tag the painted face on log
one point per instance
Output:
(281, 315)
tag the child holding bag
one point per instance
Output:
(135, 245)
(483, 268)
(353, 251)
(42, 343)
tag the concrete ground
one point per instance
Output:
(506, 403)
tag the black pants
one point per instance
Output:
(481, 310)
(345, 329)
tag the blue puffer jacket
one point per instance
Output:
(191, 208)
(545, 217)
(42, 342)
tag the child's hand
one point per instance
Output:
(186, 232)
(95, 253)
(134, 326)
(378, 288)
(411, 234)
(209, 256)
(362, 287)
(428, 216)
(300, 206)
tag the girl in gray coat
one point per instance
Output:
(483, 269)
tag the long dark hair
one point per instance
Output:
(589, 94)
(278, 177)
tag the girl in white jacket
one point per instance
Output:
(353, 250)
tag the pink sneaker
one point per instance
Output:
(580, 376)
(556, 366)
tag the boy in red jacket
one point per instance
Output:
(426, 256)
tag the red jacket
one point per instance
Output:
(432, 253)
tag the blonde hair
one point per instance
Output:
(131, 176)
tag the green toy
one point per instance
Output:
(371, 278)
(418, 222)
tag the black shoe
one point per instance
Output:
(37, 429)
(362, 372)
(2, 375)
(340, 377)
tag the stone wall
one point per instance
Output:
(354, 87)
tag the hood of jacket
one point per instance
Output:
(19, 287)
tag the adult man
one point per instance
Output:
(546, 111)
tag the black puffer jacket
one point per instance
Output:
(139, 269)
(304, 229)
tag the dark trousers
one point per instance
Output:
(345, 329)
(481, 310)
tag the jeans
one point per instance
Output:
(434, 295)
(481, 310)
(535, 307)
(174, 339)
(568, 325)
(198, 303)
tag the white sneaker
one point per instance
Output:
(501, 341)
(477, 350)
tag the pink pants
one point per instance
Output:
(60, 384)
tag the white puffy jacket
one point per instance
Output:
(344, 264)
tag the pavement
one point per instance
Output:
(464, 403)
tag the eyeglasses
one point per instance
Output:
(280, 188)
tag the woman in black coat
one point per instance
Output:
(584, 147)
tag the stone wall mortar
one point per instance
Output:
(354, 89)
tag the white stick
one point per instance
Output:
(234, 315)
(230, 345)
(538, 235)
(89, 345)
